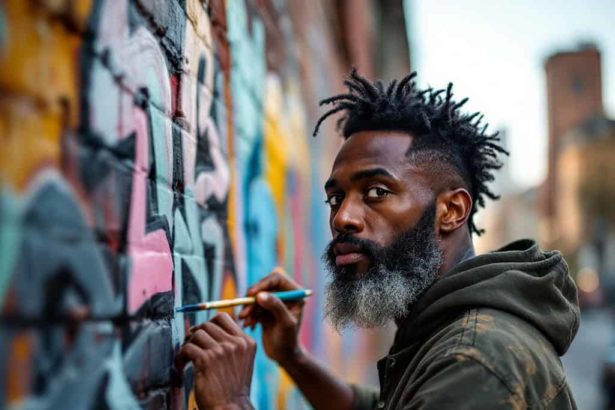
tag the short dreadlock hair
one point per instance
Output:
(441, 133)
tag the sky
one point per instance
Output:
(494, 53)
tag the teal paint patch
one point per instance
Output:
(3, 30)
(10, 236)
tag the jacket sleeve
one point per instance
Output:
(364, 397)
(462, 382)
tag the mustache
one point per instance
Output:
(370, 248)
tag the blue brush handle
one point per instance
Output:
(290, 295)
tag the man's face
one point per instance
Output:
(384, 253)
(374, 192)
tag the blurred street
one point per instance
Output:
(583, 362)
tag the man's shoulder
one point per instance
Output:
(507, 347)
(500, 336)
(484, 328)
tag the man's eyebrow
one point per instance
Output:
(331, 183)
(369, 173)
(363, 174)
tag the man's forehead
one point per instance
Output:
(376, 148)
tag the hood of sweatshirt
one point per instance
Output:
(519, 279)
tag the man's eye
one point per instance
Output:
(377, 193)
(333, 200)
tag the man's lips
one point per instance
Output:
(349, 258)
(347, 254)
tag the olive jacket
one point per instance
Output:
(486, 335)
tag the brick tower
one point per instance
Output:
(574, 95)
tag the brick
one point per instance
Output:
(148, 357)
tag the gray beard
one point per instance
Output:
(401, 273)
(374, 301)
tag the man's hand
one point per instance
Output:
(223, 359)
(280, 320)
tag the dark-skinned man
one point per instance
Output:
(474, 332)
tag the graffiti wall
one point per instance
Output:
(153, 153)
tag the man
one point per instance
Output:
(475, 332)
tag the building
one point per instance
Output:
(577, 208)
(574, 96)
(585, 216)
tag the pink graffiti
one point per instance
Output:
(152, 265)
(137, 59)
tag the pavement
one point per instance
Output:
(583, 361)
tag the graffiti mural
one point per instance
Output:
(153, 155)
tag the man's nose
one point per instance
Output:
(349, 217)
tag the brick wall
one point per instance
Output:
(154, 153)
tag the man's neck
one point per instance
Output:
(469, 253)
(454, 255)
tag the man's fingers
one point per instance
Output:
(254, 315)
(273, 281)
(277, 280)
(274, 305)
(189, 352)
(203, 338)
(246, 312)
(227, 324)
(251, 321)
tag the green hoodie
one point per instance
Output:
(486, 335)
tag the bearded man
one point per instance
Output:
(474, 332)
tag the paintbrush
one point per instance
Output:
(288, 296)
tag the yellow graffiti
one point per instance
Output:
(39, 74)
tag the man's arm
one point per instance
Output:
(281, 323)
(319, 386)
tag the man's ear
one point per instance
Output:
(452, 210)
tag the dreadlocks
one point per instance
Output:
(433, 118)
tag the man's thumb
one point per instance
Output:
(274, 305)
